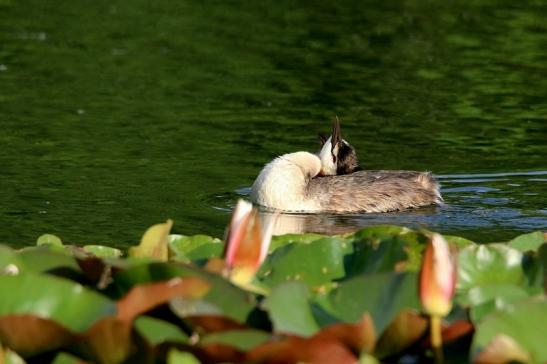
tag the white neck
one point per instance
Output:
(282, 183)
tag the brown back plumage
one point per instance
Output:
(375, 191)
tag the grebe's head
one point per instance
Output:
(337, 155)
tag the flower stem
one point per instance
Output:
(436, 338)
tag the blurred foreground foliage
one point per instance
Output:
(316, 299)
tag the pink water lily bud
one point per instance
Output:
(437, 277)
(247, 242)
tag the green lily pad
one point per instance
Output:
(458, 241)
(223, 297)
(379, 232)
(282, 240)
(382, 295)
(10, 262)
(410, 241)
(35, 259)
(182, 246)
(181, 357)
(67, 303)
(314, 263)
(243, 340)
(49, 239)
(289, 309)
(483, 265)
(525, 323)
(205, 252)
(526, 242)
(368, 258)
(66, 358)
(485, 299)
(102, 251)
(157, 331)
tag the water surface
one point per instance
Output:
(117, 115)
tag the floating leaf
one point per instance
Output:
(484, 299)
(314, 263)
(102, 251)
(157, 331)
(223, 297)
(53, 298)
(109, 340)
(282, 240)
(205, 252)
(483, 265)
(45, 258)
(290, 311)
(154, 242)
(526, 242)
(180, 357)
(66, 358)
(382, 295)
(243, 340)
(524, 324)
(369, 258)
(44, 315)
(400, 238)
(458, 241)
(181, 245)
(49, 239)
(10, 262)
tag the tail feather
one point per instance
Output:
(429, 182)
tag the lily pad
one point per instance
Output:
(282, 240)
(485, 299)
(223, 297)
(483, 265)
(524, 323)
(243, 340)
(49, 239)
(182, 246)
(102, 251)
(66, 358)
(67, 303)
(290, 311)
(526, 242)
(314, 263)
(368, 258)
(382, 295)
(181, 357)
(157, 331)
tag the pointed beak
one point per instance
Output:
(336, 135)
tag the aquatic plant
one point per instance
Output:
(312, 298)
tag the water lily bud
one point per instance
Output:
(437, 277)
(247, 243)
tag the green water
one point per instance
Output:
(115, 115)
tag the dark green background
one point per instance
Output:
(116, 115)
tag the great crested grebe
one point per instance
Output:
(333, 181)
